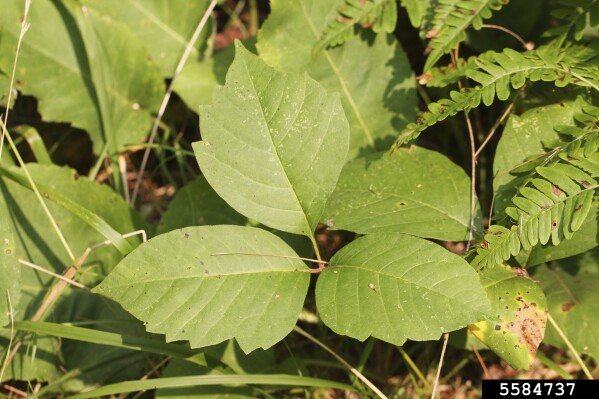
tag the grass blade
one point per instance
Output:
(203, 380)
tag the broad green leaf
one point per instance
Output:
(165, 28)
(519, 311)
(573, 301)
(273, 144)
(37, 242)
(176, 285)
(395, 287)
(371, 72)
(521, 141)
(55, 68)
(197, 204)
(414, 191)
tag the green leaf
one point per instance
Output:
(573, 301)
(519, 312)
(418, 11)
(371, 72)
(115, 74)
(164, 28)
(273, 144)
(176, 285)
(430, 199)
(395, 287)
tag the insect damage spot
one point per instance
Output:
(567, 306)
(528, 325)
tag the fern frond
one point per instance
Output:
(549, 207)
(452, 18)
(445, 75)
(381, 15)
(574, 14)
(510, 70)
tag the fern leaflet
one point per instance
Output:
(575, 13)
(452, 18)
(550, 206)
(381, 15)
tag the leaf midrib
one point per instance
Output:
(308, 231)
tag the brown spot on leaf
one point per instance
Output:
(556, 190)
(529, 325)
(8, 251)
(567, 306)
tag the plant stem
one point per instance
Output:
(361, 376)
(571, 347)
(413, 366)
(445, 340)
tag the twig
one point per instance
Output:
(14, 390)
(342, 361)
(571, 347)
(494, 128)
(58, 276)
(445, 340)
(167, 96)
(482, 363)
(526, 45)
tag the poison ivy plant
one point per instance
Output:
(180, 287)
(370, 72)
(371, 198)
(212, 283)
(290, 138)
(396, 287)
